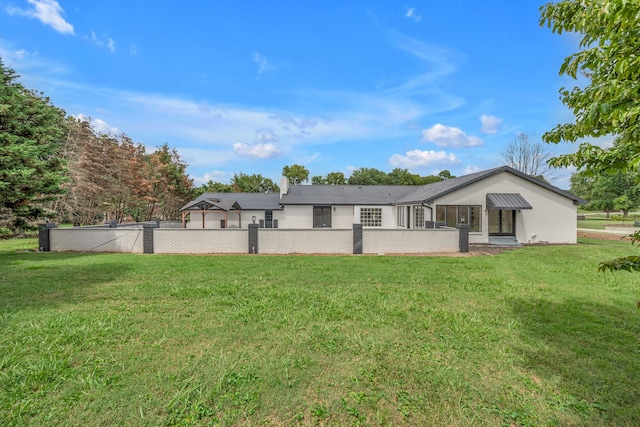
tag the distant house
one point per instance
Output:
(498, 205)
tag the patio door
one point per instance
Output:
(502, 222)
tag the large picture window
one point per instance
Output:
(450, 215)
(371, 217)
(322, 217)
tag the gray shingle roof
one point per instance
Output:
(369, 194)
(429, 193)
(345, 194)
(247, 201)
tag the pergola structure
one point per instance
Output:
(206, 206)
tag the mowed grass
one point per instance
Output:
(534, 336)
(598, 220)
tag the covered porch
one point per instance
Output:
(206, 206)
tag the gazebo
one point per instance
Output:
(206, 206)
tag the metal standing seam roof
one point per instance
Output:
(507, 201)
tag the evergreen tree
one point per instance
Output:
(31, 168)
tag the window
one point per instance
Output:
(450, 215)
(371, 217)
(400, 216)
(322, 217)
(418, 217)
(268, 219)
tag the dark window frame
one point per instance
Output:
(325, 212)
(472, 215)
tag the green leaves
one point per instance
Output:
(610, 61)
(31, 129)
(609, 104)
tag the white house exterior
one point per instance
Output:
(498, 205)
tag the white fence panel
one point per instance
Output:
(301, 241)
(128, 240)
(410, 241)
(207, 241)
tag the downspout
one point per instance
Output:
(430, 210)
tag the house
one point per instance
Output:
(498, 205)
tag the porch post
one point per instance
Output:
(147, 238)
(253, 238)
(44, 239)
(357, 238)
(463, 237)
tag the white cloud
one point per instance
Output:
(205, 157)
(102, 40)
(103, 127)
(446, 136)
(133, 49)
(48, 12)
(111, 45)
(302, 123)
(420, 159)
(258, 150)
(490, 124)
(265, 136)
(215, 176)
(412, 14)
(470, 169)
(263, 64)
(99, 125)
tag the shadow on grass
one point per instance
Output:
(589, 351)
(34, 280)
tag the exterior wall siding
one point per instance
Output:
(126, 240)
(552, 219)
(409, 241)
(388, 216)
(297, 217)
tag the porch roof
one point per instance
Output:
(212, 204)
(507, 201)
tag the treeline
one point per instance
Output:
(114, 177)
(58, 167)
(298, 174)
(608, 192)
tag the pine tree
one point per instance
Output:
(31, 169)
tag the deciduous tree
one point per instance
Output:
(368, 176)
(528, 155)
(255, 183)
(296, 174)
(608, 102)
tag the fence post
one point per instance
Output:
(463, 230)
(44, 239)
(357, 239)
(253, 238)
(147, 238)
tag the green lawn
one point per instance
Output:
(597, 220)
(534, 336)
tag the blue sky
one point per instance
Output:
(248, 86)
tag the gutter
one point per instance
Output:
(430, 210)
